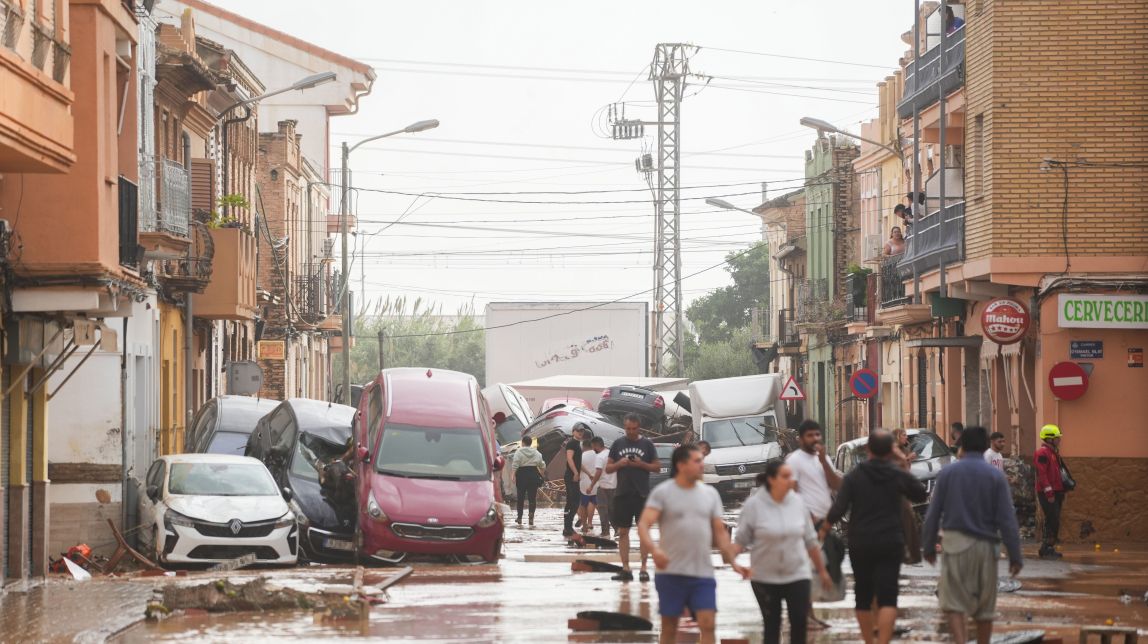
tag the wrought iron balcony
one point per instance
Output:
(192, 272)
(813, 302)
(174, 198)
(857, 294)
(892, 283)
(313, 294)
(934, 74)
(937, 238)
(787, 335)
(759, 319)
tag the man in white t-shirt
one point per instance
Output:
(994, 454)
(814, 474)
(607, 483)
(588, 486)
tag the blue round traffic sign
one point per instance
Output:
(864, 383)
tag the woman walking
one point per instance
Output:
(776, 529)
(871, 495)
(526, 467)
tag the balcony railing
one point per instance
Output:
(813, 300)
(923, 88)
(892, 283)
(175, 198)
(313, 292)
(857, 293)
(935, 239)
(11, 22)
(759, 324)
(787, 335)
(129, 223)
(192, 272)
(149, 219)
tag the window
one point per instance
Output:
(310, 453)
(155, 475)
(227, 443)
(979, 160)
(736, 432)
(280, 430)
(374, 414)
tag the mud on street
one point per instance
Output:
(532, 592)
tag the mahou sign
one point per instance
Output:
(1005, 320)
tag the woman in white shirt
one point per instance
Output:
(775, 528)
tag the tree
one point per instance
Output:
(717, 315)
(418, 337)
(721, 358)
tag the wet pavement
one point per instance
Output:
(529, 596)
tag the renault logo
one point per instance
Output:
(432, 519)
(235, 526)
(741, 469)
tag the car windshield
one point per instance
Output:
(927, 445)
(433, 453)
(227, 443)
(665, 450)
(310, 453)
(735, 432)
(221, 479)
(509, 430)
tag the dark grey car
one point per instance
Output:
(222, 424)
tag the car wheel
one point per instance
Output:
(495, 552)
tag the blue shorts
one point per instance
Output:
(676, 592)
(588, 499)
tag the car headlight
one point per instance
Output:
(489, 518)
(173, 518)
(374, 510)
(709, 468)
(285, 520)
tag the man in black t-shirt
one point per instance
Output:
(573, 470)
(633, 457)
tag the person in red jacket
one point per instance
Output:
(1049, 488)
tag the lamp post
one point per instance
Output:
(418, 126)
(826, 126)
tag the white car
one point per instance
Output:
(205, 508)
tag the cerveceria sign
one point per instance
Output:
(1102, 311)
(1004, 320)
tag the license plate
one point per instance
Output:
(630, 394)
(664, 470)
(743, 484)
(338, 544)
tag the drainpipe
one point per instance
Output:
(943, 290)
(188, 327)
(916, 141)
(126, 497)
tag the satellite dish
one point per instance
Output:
(244, 378)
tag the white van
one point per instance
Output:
(744, 422)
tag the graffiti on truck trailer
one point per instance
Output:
(589, 345)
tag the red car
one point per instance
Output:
(426, 467)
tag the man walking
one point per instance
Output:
(871, 495)
(1050, 488)
(688, 514)
(570, 478)
(973, 505)
(607, 483)
(994, 454)
(632, 457)
(816, 480)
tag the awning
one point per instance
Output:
(945, 343)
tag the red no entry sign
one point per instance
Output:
(864, 383)
(1067, 380)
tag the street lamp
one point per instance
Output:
(826, 126)
(417, 126)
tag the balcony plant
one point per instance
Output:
(221, 220)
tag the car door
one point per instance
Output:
(151, 505)
(202, 428)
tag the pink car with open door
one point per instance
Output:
(427, 465)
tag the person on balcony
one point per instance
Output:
(904, 213)
(952, 22)
(896, 243)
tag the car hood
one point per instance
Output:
(419, 500)
(744, 454)
(317, 508)
(221, 509)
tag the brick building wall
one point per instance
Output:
(1063, 81)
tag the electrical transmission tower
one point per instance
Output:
(668, 71)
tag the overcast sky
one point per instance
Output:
(520, 88)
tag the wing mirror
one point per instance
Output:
(498, 463)
(364, 455)
(152, 492)
(287, 493)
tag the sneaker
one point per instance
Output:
(519, 522)
(625, 575)
(643, 576)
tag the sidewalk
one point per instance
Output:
(63, 610)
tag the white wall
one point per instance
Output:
(606, 341)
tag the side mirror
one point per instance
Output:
(364, 455)
(498, 463)
(152, 492)
(287, 494)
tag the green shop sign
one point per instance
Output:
(1102, 311)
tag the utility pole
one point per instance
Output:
(668, 71)
(344, 287)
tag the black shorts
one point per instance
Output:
(876, 569)
(627, 510)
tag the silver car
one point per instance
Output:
(931, 455)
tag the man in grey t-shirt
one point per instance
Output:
(688, 512)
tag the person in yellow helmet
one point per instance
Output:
(1050, 487)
